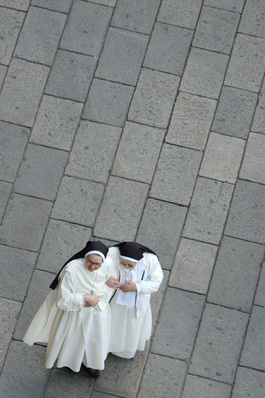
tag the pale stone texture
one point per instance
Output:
(40, 35)
(235, 111)
(246, 66)
(61, 241)
(24, 213)
(236, 274)
(16, 269)
(208, 210)
(258, 124)
(78, 201)
(176, 174)
(66, 384)
(93, 151)
(218, 344)
(247, 382)
(22, 5)
(253, 166)
(9, 311)
(156, 300)
(175, 335)
(31, 378)
(138, 152)
(163, 377)
(168, 48)
(110, 3)
(10, 25)
(154, 98)
(56, 5)
(180, 13)
(108, 102)
(253, 18)
(222, 158)
(137, 15)
(253, 354)
(3, 70)
(124, 200)
(56, 122)
(216, 30)
(22, 91)
(71, 75)
(5, 189)
(159, 223)
(86, 28)
(13, 141)
(204, 73)
(235, 5)
(192, 268)
(160, 229)
(191, 121)
(122, 56)
(260, 295)
(199, 387)
(247, 212)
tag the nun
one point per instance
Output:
(74, 320)
(139, 274)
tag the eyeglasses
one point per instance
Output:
(96, 265)
(128, 265)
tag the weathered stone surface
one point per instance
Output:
(236, 5)
(258, 124)
(260, 295)
(22, 5)
(236, 274)
(180, 13)
(253, 18)
(66, 384)
(61, 6)
(253, 166)
(10, 25)
(247, 382)
(199, 387)
(5, 190)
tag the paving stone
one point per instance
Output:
(96, 394)
(93, 151)
(175, 335)
(247, 382)
(235, 111)
(86, 28)
(40, 35)
(13, 141)
(180, 12)
(222, 158)
(253, 351)
(253, 166)
(138, 151)
(3, 70)
(56, 122)
(56, 5)
(204, 73)
(198, 387)
(154, 98)
(24, 213)
(138, 15)
(208, 210)
(160, 222)
(156, 301)
(216, 30)
(78, 201)
(31, 378)
(124, 200)
(247, 212)
(22, 91)
(236, 274)
(9, 310)
(258, 124)
(60, 242)
(253, 18)
(5, 189)
(16, 269)
(108, 102)
(40, 172)
(71, 75)
(260, 294)
(66, 384)
(168, 48)
(110, 3)
(245, 69)
(175, 174)
(218, 344)
(163, 377)
(22, 5)
(235, 5)
(191, 121)
(122, 56)
(10, 25)
(193, 265)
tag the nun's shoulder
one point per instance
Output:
(150, 257)
(113, 251)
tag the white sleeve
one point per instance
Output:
(66, 297)
(152, 278)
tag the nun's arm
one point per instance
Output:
(67, 299)
(152, 278)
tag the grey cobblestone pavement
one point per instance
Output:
(137, 120)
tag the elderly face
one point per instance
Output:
(128, 264)
(93, 262)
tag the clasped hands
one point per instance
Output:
(91, 300)
(124, 287)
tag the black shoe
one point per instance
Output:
(93, 372)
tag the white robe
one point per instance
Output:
(75, 334)
(132, 327)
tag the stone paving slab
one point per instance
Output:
(258, 124)
(63, 383)
(199, 387)
(179, 12)
(5, 190)
(248, 382)
(260, 294)
(253, 167)
(253, 18)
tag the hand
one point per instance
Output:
(112, 283)
(91, 300)
(128, 287)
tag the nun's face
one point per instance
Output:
(127, 264)
(93, 262)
